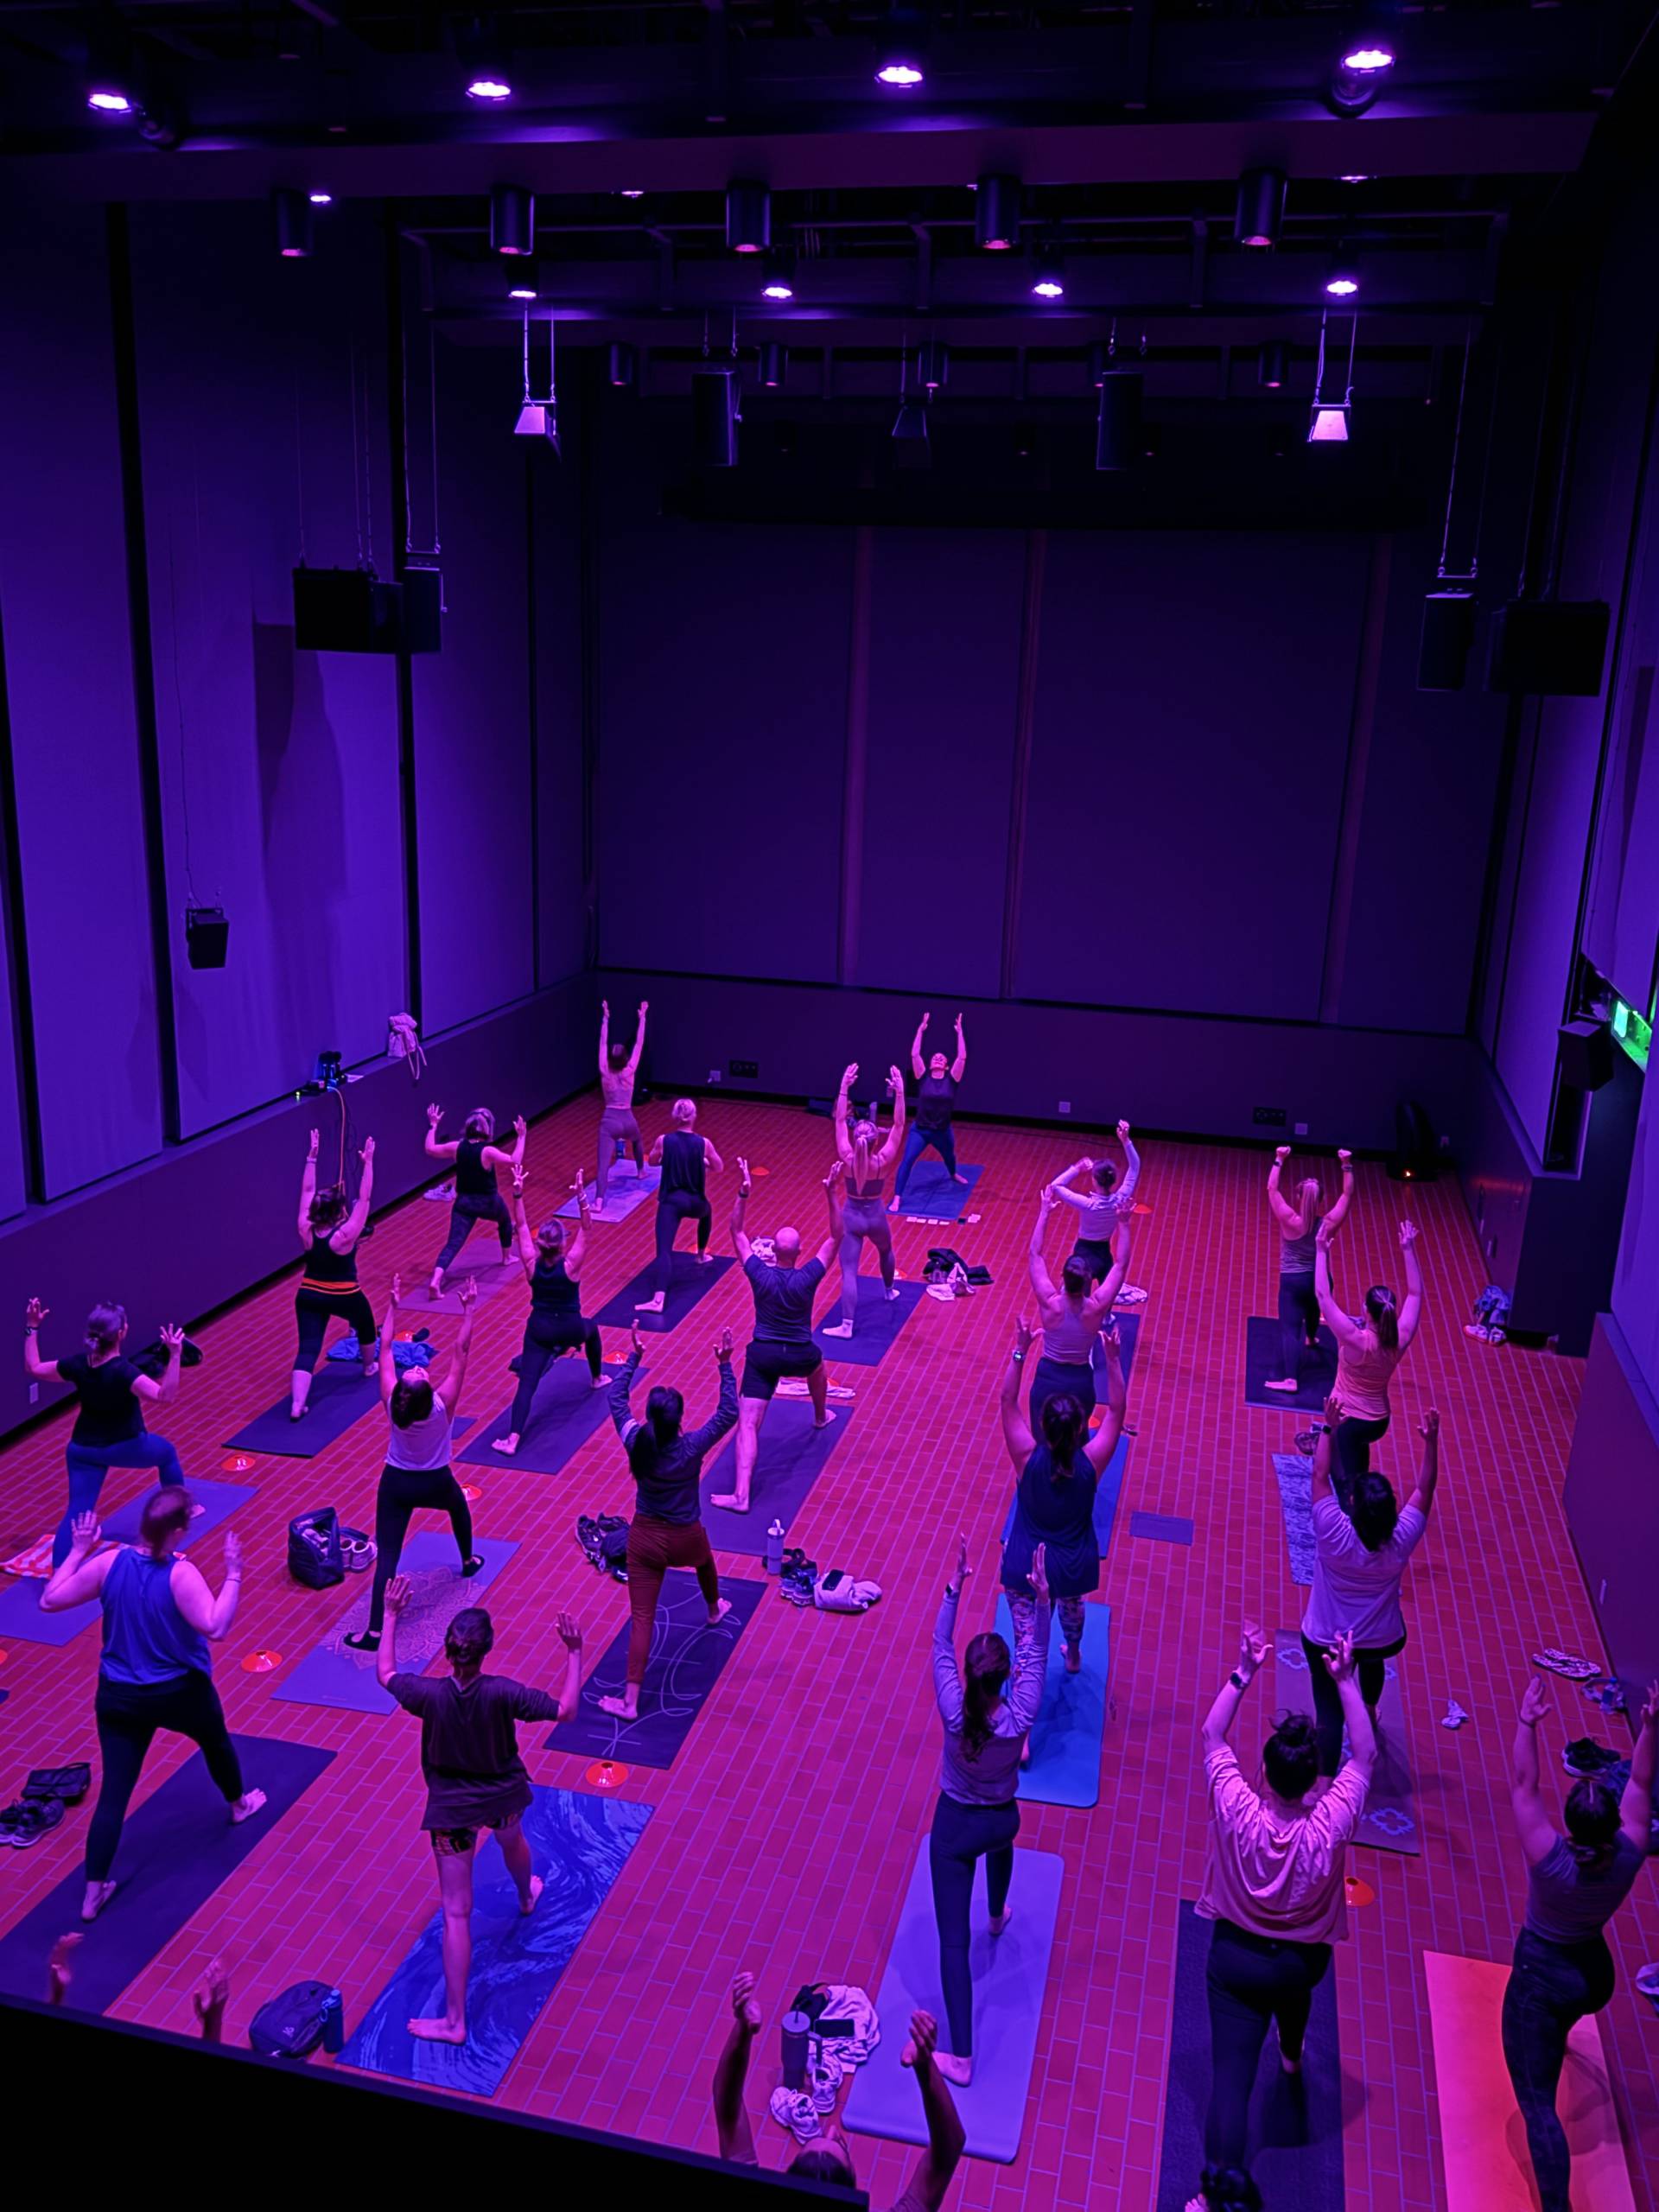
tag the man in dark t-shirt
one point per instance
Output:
(474, 1776)
(782, 1343)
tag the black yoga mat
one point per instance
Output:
(1317, 1371)
(686, 1658)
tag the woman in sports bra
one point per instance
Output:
(1072, 1313)
(863, 1216)
(1297, 1216)
(477, 1196)
(330, 1226)
(617, 1067)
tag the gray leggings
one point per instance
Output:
(862, 1217)
(617, 1123)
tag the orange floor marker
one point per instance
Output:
(239, 1463)
(1483, 2138)
(1359, 1892)
(605, 1774)
(470, 1492)
(261, 1663)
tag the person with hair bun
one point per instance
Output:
(552, 1262)
(686, 1159)
(1102, 1208)
(618, 1069)
(1368, 1352)
(1225, 2189)
(1562, 1968)
(1273, 1883)
(156, 1670)
(987, 1706)
(1360, 1558)
(1297, 1215)
(330, 1226)
(665, 1459)
(478, 1195)
(1073, 1312)
(475, 1777)
(109, 1430)
(866, 1157)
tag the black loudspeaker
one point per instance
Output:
(1448, 633)
(716, 411)
(422, 622)
(345, 611)
(207, 936)
(1552, 646)
(1585, 1055)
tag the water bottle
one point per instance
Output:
(333, 2022)
(775, 1549)
(797, 2031)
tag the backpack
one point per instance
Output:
(291, 2026)
(314, 1553)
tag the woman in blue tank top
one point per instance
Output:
(1575, 1883)
(155, 1672)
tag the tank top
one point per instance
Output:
(1060, 1513)
(1296, 1253)
(1363, 1370)
(424, 1444)
(473, 1178)
(934, 1096)
(1570, 1903)
(683, 1159)
(146, 1639)
(1071, 1338)
(327, 1270)
(551, 1291)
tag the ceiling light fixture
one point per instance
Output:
(1048, 273)
(1360, 75)
(779, 274)
(292, 214)
(748, 216)
(539, 418)
(996, 214)
(320, 199)
(521, 292)
(1260, 208)
(899, 63)
(512, 219)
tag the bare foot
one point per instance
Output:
(959, 2070)
(894, 1205)
(829, 1415)
(1287, 1385)
(720, 1612)
(841, 1329)
(438, 2030)
(434, 1288)
(535, 1892)
(620, 1707)
(892, 1293)
(97, 1895)
(1074, 1658)
(651, 1305)
(730, 1502)
(999, 1920)
(602, 1381)
(247, 1805)
(959, 1178)
(506, 1445)
(705, 1259)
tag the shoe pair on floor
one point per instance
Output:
(48, 1793)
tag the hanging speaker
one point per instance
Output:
(1555, 647)
(422, 611)
(1585, 1053)
(715, 397)
(345, 611)
(207, 936)
(1448, 633)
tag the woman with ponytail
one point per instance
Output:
(1071, 1314)
(109, 1430)
(666, 1461)
(1575, 1883)
(555, 1324)
(1054, 1503)
(987, 1707)
(1297, 1215)
(1368, 1352)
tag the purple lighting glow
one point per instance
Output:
(108, 101)
(778, 289)
(1341, 288)
(899, 72)
(320, 199)
(1369, 60)
(489, 88)
(1049, 287)
(521, 292)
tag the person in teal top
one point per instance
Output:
(160, 1617)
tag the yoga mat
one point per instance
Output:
(1161, 1528)
(1107, 1492)
(1389, 1820)
(1065, 1743)
(1295, 2138)
(333, 1676)
(1295, 1477)
(689, 1284)
(792, 1456)
(686, 1659)
(625, 1192)
(1483, 2137)
(1318, 1370)
(565, 1412)
(876, 1329)
(339, 1396)
(578, 1845)
(21, 1617)
(1129, 1336)
(478, 1260)
(178, 1846)
(1010, 1973)
(930, 1195)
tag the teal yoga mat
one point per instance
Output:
(1066, 1743)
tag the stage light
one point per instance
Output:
(484, 59)
(521, 292)
(774, 364)
(1048, 273)
(512, 219)
(900, 61)
(1360, 75)
(108, 100)
(489, 89)
(622, 366)
(996, 214)
(1369, 60)
(112, 87)
(1355, 179)
(777, 288)
(748, 216)
(291, 214)
(778, 276)
(716, 411)
(1342, 284)
(932, 363)
(320, 199)
(1260, 208)
(627, 192)
(1270, 361)
(539, 418)
(1327, 423)
(1119, 440)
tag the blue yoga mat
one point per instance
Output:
(1010, 1976)
(1319, 1369)
(1389, 1820)
(625, 1192)
(178, 1846)
(339, 1396)
(1108, 1490)
(1161, 1528)
(689, 1284)
(479, 1261)
(565, 1412)
(1295, 2141)
(1296, 1478)
(344, 1680)
(1071, 1726)
(686, 1658)
(21, 1617)
(793, 1454)
(876, 1331)
(1128, 1337)
(930, 1195)
(578, 1845)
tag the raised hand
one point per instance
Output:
(1334, 1412)
(1408, 1235)
(1045, 1198)
(519, 1125)
(1254, 1649)
(1430, 1423)
(743, 1182)
(723, 1348)
(645, 1008)
(1038, 1575)
(1339, 1660)
(964, 1567)
(924, 2040)
(397, 1593)
(745, 2011)
(316, 1139)
(468, 1294)
(1345, 1158)
(605, 1008)
(1535, 1702)
(367, 1152)
(850, 1075)
(434, 1114)
(1114, 1343)
(83, 1533)
(232, 1554)
(35, 1313)
(570, 1634)
(837, 1169)
(926, 1018)
(520, 1177)
(634, 1330)
(173, 1338)
(1324, 1237)
(1282, 1154)
(895, 1082)
(1650, 1706)
(60, 1968)
(1122, 1133)
(1023, 1334)
(958, 1025)
(212, 1994)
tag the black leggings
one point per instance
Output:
(542, 1344)
(128, 1714)
(1551, 1986)
(464, 1216)
(962, 1836)
(1298, 1325)
(314, 1311)
(672, 1208)
(1251, 1979)
(1327, 1697)
(404, 1491)
(1354, 1439)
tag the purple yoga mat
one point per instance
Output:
(565, 1412)
(793, 1454)
(688, 1657)
(880, 1320)
(688, 1286)
(21, 1617)
(339, 1397)
(345, 1680)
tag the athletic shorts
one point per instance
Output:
(455, 1843)
(765, 1366)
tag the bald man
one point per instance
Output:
(685, 1159)
(782, 1343)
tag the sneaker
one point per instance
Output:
(588, 1537)
(1586, 1756)
(36, 1816)
(8, 1821)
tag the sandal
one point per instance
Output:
(1566, 1663)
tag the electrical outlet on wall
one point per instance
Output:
(1301, 1128)
(713, 1075)
(1064, 1105)
(34, 1393)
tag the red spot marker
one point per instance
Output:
(261, 1663)
(239, 1463)
(1359, 1892)
(470, 1492)
(605, 1774)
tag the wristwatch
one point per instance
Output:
(1239, 1681)
(1018, 1357)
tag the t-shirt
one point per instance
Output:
(1569, 1903)
(934, 1098)
(1278, 1874)
(1356, 1592)
(469, 1747)
(783, 1300)
(110, 1410)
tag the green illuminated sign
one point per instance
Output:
(1633, 1033)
